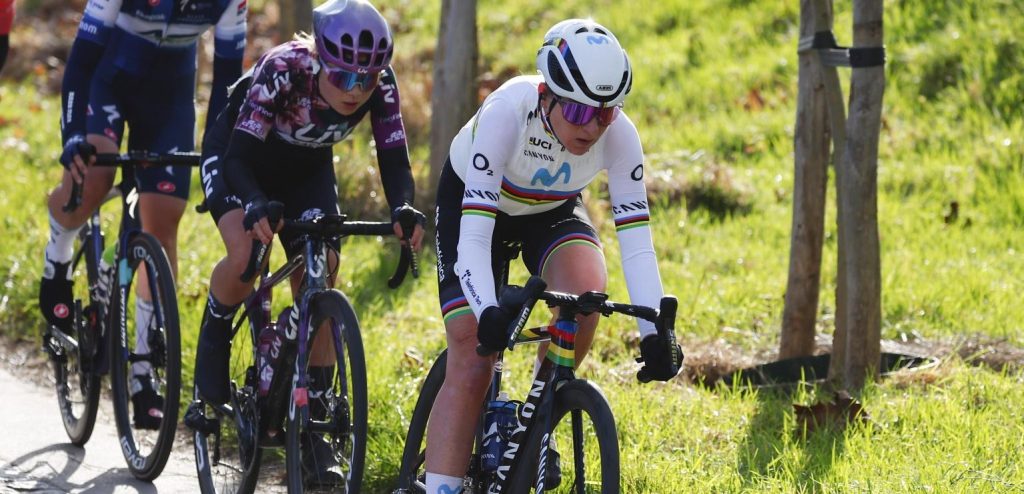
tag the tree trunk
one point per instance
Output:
(295, 16)
(811, 153)
(454, 93)
(857, 182)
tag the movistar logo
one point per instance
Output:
(545, 177)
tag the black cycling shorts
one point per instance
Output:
(537, 235)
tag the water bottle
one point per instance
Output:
(499, 422)
(270, 342)
(106, 274)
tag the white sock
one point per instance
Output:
(443, 484)
(143, 316)
(61, 246)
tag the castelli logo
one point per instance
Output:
(61, 311)
(110, 133)
(154, 3)
(165, 187)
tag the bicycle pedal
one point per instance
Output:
(196, 421)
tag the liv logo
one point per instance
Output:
(544, 176)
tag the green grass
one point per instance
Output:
(952, 131)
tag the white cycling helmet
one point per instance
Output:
(582, 60)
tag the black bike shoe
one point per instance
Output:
(319, 467)
(55, 295)
(147, 404)
(213, 355)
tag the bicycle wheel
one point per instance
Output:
(412, 472)
(345, 400)
(145, 450)
(580, 415)
(230, 462)
(76, 382)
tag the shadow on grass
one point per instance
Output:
(776, 449)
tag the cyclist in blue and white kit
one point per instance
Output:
(134, 62)
(274, 142)
(514, 175)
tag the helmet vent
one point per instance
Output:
(558, 77)
(332, 49)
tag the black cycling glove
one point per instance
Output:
(76, 145)
(662, 359)
(255, 211)
(492, 331)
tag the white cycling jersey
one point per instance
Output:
(511, 162)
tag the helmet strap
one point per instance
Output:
(545, 115)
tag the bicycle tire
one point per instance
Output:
(233, 469)
(348, 404)
(575, 398)
(78, 389)
(412, 468)
(144, 250)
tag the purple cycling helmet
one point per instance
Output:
(352, 35)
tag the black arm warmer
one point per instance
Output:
(225, 72)
(4, 44)
(396, 176)
(243, 150)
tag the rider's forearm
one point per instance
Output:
(85, 56)
(225, 72)
(396, 176)
(243, 150)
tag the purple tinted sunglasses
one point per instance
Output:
(581, 114)
(346, 80)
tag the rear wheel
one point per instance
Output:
(225, 440)
(412, 472)
(73, 356)
(584, 427)
(145, 448)
(344, 402)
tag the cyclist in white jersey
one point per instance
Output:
(514, 176)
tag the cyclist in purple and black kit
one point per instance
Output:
(134, 62)
(274, 142)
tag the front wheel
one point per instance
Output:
(145, 358)
(330, 425)
(588, 449)
(75, 359)
(412, 472)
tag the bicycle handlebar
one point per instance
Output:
(130, 158)
(521, 300)
(330, 226)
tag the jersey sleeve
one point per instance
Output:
(271, 81)
(392, 148)
(6, 17)
(229, 32)
(494, 132)
(632, 218)
(86, 51)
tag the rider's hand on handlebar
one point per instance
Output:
(492, 330)
(77, 156)
(660, 361)
(256, 223)
(417, 234)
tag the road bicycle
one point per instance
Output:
(230, 439)
(104, 331)
(557, 405)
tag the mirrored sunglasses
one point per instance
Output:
(581, 114)
(346, 80)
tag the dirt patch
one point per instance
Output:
(708, 361)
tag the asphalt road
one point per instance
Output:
(36, 457)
